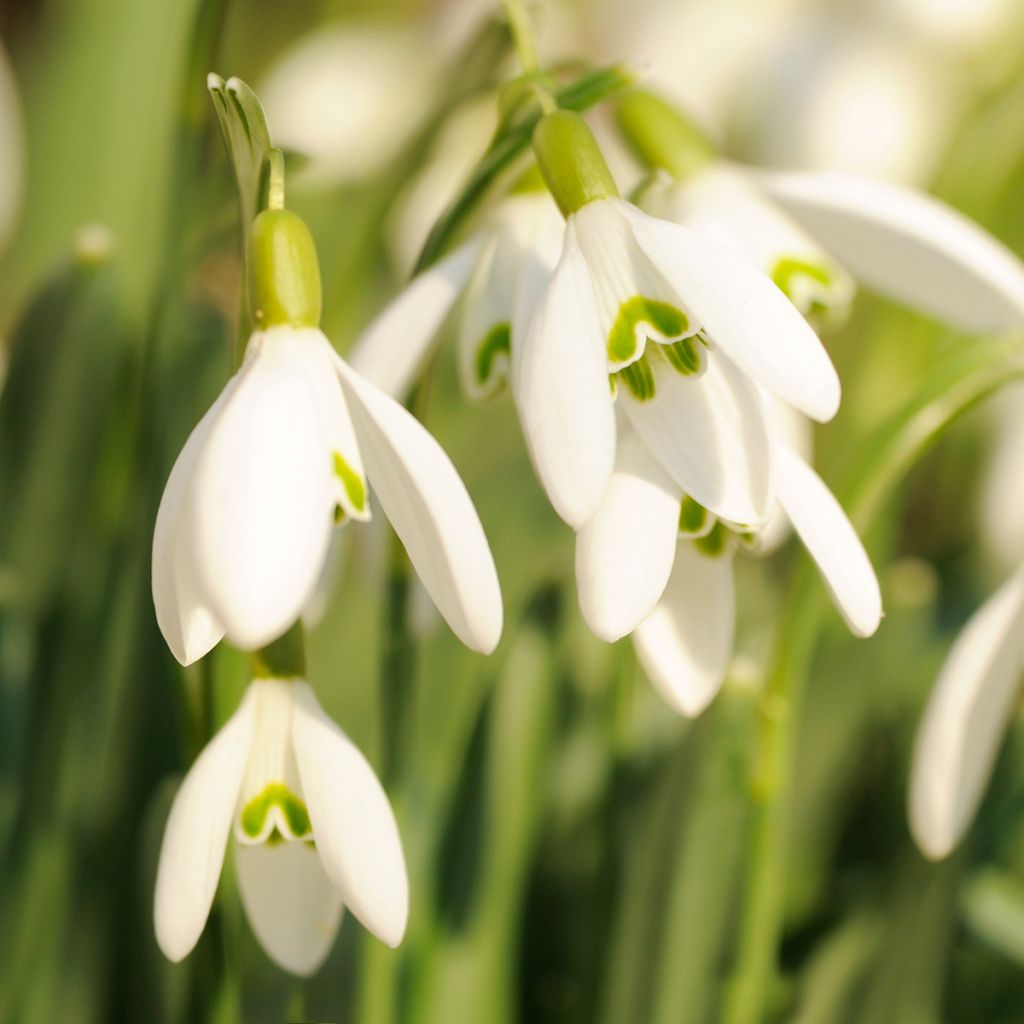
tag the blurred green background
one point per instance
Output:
(575, 849)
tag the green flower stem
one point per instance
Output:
(510, 144)
(662, 136)
(284, 658)
(522, 33)
(883, 462)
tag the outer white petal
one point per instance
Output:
(291, 905)
(197, 833)
(263, 495)
(744, 313)
(711, 434)
(563, 394)
(831, 541)
(355, 831)
(427, 504)
(965, 719)
(390, 352)
(685, 644)
(909, 246)
(792, 429)
(624, 553)
(184, 617)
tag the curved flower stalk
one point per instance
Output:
(292, 447)
(685, 330)
(965, 719)
(312, 829)
(655, 563)
(497, 274)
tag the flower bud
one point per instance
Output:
(284, 276)
(571, 161)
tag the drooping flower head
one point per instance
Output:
(294, 446)
(311, 826)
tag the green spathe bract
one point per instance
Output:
(275, 794)
(283, 272)
(571, 161)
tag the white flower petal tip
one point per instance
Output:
(743, 312)
(624, 554)
(964, 721)
(196, 836)
(831, 541)
(563, 392)
(356, 834)
(908, 246)
(391, 351)
(428, 506)
(685, 644)
(291, 905)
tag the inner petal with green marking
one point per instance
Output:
(687, 357)
(694, 519)
(818, 291)
(353, 485)
(275, 814)
(491, 358)
(640, 319)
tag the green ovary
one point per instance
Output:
(497, 342)
(661, 317)
(276, 794)
(355, 489)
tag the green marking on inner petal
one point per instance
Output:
(684, 356)
(638, 378)
(693, 516)
(275, 794)
(788, 268)
(351, 481)
(662, 317)
(714, 544)
(497, 341)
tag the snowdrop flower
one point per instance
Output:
(685, 328)
(656, 563)
(965, 719)
(497, 275)
(815, 233)
(312, 828)
(294, 444)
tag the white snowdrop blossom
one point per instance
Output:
(312, 828)
(655, 563)
(687, 330)
(965, 719)
(497, 275)
(295, 443)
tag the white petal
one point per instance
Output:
(564, 396)
(262, 495)
(355, 831)
(831, 541)
(711, 434)
(744, 313)
(185, 619)
(909, 246)
(965, 719)
(196, 836)
(624, 553)
(685, 644)
(291, 905)
(426, 502)
(792, 429)
(390, 352)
